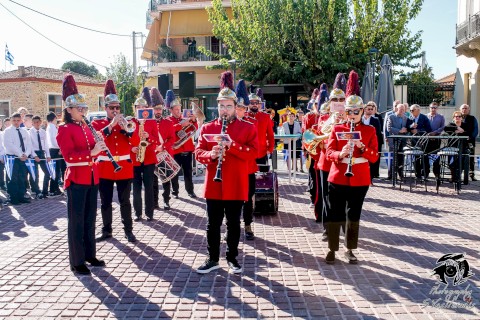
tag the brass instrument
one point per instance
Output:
(188, 132)
(142, 146)
(311, 139)
(127, 124)
(349, 172)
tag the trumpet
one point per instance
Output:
(127, 124)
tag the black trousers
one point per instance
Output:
(143, 174)
(319, 199)
(263, 163)
(248, 206)
(471, 161)
(312, 180)
(184, 159)
(82, 211)
(345, 208)
(2, 175)
(156, 190)
(34, 184)
(216, 210)
(400, 161)
(106, 195)
(16, 187)
(59, 169)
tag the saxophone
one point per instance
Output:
(142, 146)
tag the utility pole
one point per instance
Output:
(134, 59)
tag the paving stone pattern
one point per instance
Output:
(285, 277)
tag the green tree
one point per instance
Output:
(82, 68)
(310, 41)
(122, 73)
(421, 87)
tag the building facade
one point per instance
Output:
(40, 90)
(467, 46)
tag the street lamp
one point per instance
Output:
(372, 53)
(402, 79)
(233, 62)
(144, 75)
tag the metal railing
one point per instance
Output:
(423, 95)
(181, 53)
(153, 4)
(469, 29)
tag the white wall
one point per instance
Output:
(465, 66)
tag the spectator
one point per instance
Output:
(470, 125)
(293, 127)
(397, 125)
(369, 119)
(419, 124)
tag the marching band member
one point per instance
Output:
(266, 140)
(41, 154)
(143, 170)
(167, 134)
(184, 154)
(120, 142)
(17, 144)
(346, 193)
(240, 110)
(78, 146)
(229, 162)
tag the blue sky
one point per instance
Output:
(437, 19)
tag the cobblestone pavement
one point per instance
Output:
(401, 237)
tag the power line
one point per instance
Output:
(59, 45)
(69, 23)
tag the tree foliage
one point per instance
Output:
(422, 88)
(82, 68)
(310, 41)
(122, 73)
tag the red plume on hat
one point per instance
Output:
(226, 80)
(315, 94)
(353, 88)
(109, 88)
(69, 87)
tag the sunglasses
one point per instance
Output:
(254, 103)
(433, 107)
(457, 116)
(114, 107)
(354, 112)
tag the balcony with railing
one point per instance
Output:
(468, 30)
(183, 53)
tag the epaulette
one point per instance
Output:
(246, 121)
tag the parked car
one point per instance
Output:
(96, 115)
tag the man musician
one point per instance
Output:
(167, 137)
(230, 159)
(120, 142)
(183, 155)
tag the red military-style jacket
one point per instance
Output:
(266, 139)
(187, 146)
(150, 154)
(167, 132)
(252, 165)
(322, 162)
(361, 171)
(76, 142)
(309, 120)
(120, 144)
(244, 148)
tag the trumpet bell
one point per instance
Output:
(130, 127)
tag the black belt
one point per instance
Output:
(184, 153)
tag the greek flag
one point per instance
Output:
(9, 160)
(388, 156)
(8, 55)
(51, 169)
(30, 163)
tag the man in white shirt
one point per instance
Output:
(54, 153)
(17, 144)
(41, 154)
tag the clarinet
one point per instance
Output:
(116, 166)
(349, 172)
(218, 174)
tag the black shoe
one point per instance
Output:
(249, 233)
(130, 237)
(39, 196)
(473, 178)
(138, 218)
(24, 200)
(81, 269)
(166, 206)
(350, 257)
(156, 207)
(96, 263)
(14, 202)
(208, 266)
(330, 258)
(104, 236)
(55, 194)
(324, 236)
(149, 218)
(3, 188)
(175, 195)
(192, 195)
(235, 266)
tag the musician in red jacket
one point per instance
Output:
(225, 198)
(79, 149)
(183, 154)
(167, 138)
(266, 140)
(346, 192)
(144, 170)
(120, 142)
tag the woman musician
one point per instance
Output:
(78, 146)
(349, 177)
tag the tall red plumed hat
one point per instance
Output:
(70, 94)
(353, 88)
(227, 91)
(110, 93)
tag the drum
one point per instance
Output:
(266, 193)
(166, 167)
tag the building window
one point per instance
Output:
(55, 103)
(4, 109)
(101, 103)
